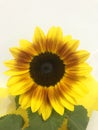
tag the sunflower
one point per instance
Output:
(48, 73)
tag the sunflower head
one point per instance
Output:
(48, 73)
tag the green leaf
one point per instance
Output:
(37, 123)
(17, 101)
(11, 122)
(78, 119)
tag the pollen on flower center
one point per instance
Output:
(47, 69)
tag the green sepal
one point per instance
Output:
(17, 101)
(37, 123)
(11, 122)
(78, 119)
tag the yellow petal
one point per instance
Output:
(65, 49)
(39, 40)
(15, 79)
(72, 45)
(78, 70)
(65, 94)
(45, 108)
(20, 54)
(18, 65)
(67, 87)
(79, 67)
(63, 100)
(54, 38)
(77, 57)
(77, 86)
(25, 99)
(55, 34)
(21, 87)
(28, 47)
(38, 35)
(15, 71)
(67, 38)
(25, 44)
(37, 98)
(53, 98)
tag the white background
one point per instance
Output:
(18, 18)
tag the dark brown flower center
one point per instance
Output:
(47, 69)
